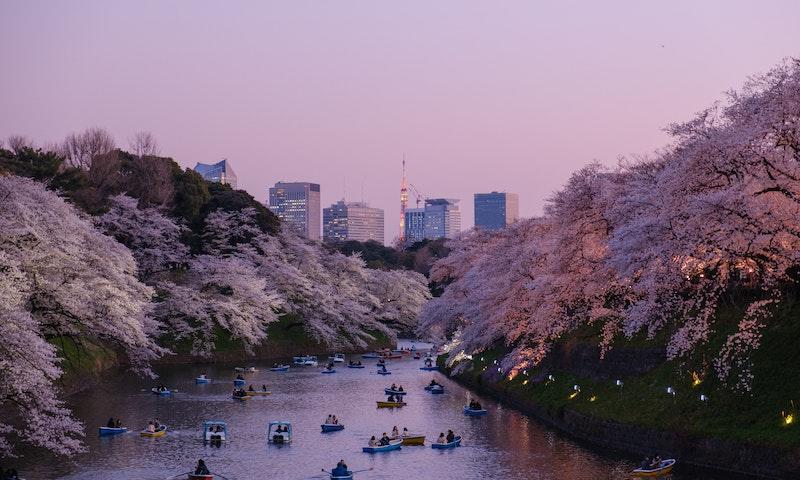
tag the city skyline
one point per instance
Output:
(517, 109)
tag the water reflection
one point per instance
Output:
(501, 445)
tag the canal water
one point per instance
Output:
(501, 445)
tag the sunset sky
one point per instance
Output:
(480, 96)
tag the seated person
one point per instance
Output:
(393, 387)
(111, 423)
(340, 470)
(400, 389)
(118, 423)
(151, 427)
(405, 431)
(263, 388)
(373, 442)
(390, 399)
(384, 439)
(329, 420)
(239, 377)
(395, 432)
(441, 438)
(450, 436)
(251, 389)
(335, 420)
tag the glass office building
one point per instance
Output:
(352, 221)
(297, 204)
(220, 172)
(495, 210)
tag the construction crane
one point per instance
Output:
(417, 195)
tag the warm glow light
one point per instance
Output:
(696, 380)
(525, 382)
(573, 395)
(593, 398)
(788, 419)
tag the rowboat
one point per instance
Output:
(384, 372)
(106, 431)
(258, 393)
(393, 355)
(331, 427)
(429, 369)
(329, 370)
(202, 380)
(663, 468)
(280, 368)
(348, 476)
(473, 412)
(455, 443)
(393, 445)
(355, 366)
(370, 355)
(160, 432)
(436, 390)
(242, 398)
(305, 361)
(246, 369)
(431, 387)
(417, 356)
(390, 404)
(239, 382)
(193, 476)
(389, 391)
(279, 438)
(413, 440)
(163, 393)
(337, 357)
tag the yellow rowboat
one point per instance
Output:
(158, 433)
(391, 404)
(258, 393)
(414, 440)
(241, 399)
(664, 468)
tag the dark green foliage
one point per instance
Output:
(223, 197)
(28, 162)
(375, 255)
(191, 193)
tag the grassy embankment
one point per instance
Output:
(755, 418)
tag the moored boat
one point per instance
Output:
(245, 369)
(663, 468)
(355, 365)
(160, 432)
(474, 412)
(305, 361)
(337, 357)
(202, 379)
(455, 443)
(279, 368)
(429, 369)
(158, 391)
(370, 355)
(331, 427)
(106, 431)
(390, 404)
(193, 476)
(393, 445)
(328, 370)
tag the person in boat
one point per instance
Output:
(157, 424)
(450, 436)
(329, 420)
(395, 432)
(239, 377)
(111, 423)
(335, 420)
(384, 439)
(359, 363)
(203, 376)
(441, 439)
(373, 442)
(263, 388)
(400, 388)
(391, 399)
(201, 468)
(645, 465)
(383, 367)
(428, 362)
(251, 389)
(656, 462)
(393, 387)
(151, 427)
(340, 470)
(405, 432)
(118, 423)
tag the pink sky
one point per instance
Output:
(480, 96)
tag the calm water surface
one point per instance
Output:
(502, 445)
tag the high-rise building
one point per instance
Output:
(352, 221)
(495, 210)
(442, 218)
(297, 204)
(414, 225)
(220, 172)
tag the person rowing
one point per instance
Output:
(428, 362)
(201, 468)
(340, 470)
(384, 440)
(251, 389)
(239, 377)
(393, 388)
(434, 384)
(111, 423)
(450, 436)
(405, 432)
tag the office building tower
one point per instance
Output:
(442, 218)
(414, 225)
(495, 210)
(220, 172)
(352, 221)
(297, 204)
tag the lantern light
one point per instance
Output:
(576, 387)
(703, 398)
(671, 391)
(619, 383)
(593, 398)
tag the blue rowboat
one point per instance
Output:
(282, 368)
(389, 391)
(429, 369)
(332, 427)
(106, 431)
(474, 413)
(431, 387)
(163, 393)
(356, 366)
(436, 390)
(455, 443)
(393, 445)
(329, 370)
(384, 372)
(239, 383)
(202, 380)
(348, 476)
